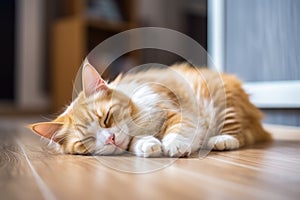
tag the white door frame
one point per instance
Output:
(270, 94)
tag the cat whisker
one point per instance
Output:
(191, 103)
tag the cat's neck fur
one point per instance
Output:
(149, 118)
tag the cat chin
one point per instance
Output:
(110, 150)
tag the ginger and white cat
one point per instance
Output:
(156, 112)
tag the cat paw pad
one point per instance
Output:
(223, 142)
(147, 147)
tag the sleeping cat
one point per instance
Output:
(156, 112)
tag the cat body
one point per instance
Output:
(173, 112)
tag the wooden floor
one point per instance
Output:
(265, 171)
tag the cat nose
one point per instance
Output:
(110, 139)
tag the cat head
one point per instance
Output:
(96, 122)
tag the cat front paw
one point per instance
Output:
(147, 146)
(175, 145)
(223, 142)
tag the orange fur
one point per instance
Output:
(170, 109)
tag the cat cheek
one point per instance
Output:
(108, 150)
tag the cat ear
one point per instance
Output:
(47, 129)
(117, 80)
(92, 81)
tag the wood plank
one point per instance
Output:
(263, 171)
(15, 175)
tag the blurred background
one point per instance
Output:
(45, 41)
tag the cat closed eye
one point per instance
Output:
(104, 122)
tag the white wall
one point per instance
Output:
(30, 55)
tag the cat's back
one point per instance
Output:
(179, 78)
(173, 75)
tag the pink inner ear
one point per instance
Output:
(47, 129)
(92, 81)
